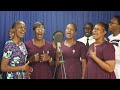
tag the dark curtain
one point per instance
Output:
(53, 20)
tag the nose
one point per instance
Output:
(40, 31)
(93, 31)
(87, 30)
(24, 29)
(109, 24)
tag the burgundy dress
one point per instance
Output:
(71, 56)
(41, 70)
(105, 52)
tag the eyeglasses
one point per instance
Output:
(41, 29)
(113, 23)
(86, 28)
(21, 27)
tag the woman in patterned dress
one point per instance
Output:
(15, 54)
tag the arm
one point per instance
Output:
(83, 67)
(34, 58)
(6, 68)
(105, 65)
(31, 59)
(83, 60)
(51, 61)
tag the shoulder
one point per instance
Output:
(28, 42)
(48, 43)
(110, 36)
(108, 45)
(9, 43)
(80, 43)
(80, 39)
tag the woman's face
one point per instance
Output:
(70, 31)
(20, 30)
(39, 32)
(98, 32)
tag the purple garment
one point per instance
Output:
(105, 52)
(41, 70)
(17, 56)
(71, 56)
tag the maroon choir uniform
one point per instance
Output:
(72, 63)
(105, 52)
(41, 70)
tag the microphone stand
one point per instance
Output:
(62, 66)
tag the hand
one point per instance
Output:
(27, 68)
(82, 77)
(44, 57)
(93, 52)
(37, 57)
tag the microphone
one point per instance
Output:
(58, 46)
(58, 37)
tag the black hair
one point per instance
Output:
(91, 25)
(105, 26)
(38, 24)
(74, 26)
(56, 33)
(118, 18)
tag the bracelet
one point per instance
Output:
(50, 60)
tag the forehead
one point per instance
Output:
(40, 26)
(99, 26)
(70, 26)
(87, 25)
(20, 24)
(114, 19)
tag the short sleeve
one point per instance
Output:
(7, 51)
(109, 52)
(83, 51)
(119, 44)
(52, 51)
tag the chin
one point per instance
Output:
(94, 37)
(39, 38)
(22, 37)
(87, 36)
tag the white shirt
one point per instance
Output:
(84, 40)
(115, 40)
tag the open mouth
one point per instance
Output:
(68, 33)
(87, 33)
(39, 35)
(94, 35)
